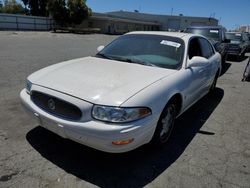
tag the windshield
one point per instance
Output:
(209, 33)
(234, 36)
(150, 50)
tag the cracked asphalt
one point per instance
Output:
(210, 145)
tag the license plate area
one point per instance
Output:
(52, 126)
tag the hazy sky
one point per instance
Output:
(231, 13)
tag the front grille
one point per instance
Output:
(233, 49)
(56, 106)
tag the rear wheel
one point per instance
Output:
(165, 125)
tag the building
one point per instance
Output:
(122, 21)
(244, 28)
(118, 22)
(118, 25)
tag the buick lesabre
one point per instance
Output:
(128, 94)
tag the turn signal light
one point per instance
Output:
(123, 142)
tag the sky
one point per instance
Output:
(230, 13)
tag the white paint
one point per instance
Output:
(87, 81)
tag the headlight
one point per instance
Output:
(119, 115)
(28, 86)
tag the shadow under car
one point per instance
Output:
(225, 67)
(132, 169)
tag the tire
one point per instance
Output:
(165, 125)
(213, 86)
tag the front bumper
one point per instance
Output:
(95, 134)
(234, 50)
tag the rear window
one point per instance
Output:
(209, 33)
(234, 36)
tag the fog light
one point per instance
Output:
(123, 142)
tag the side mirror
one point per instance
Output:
(197, 61)
(100, 48)
(247, 54)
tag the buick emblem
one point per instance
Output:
(51, 104)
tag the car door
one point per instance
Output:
(199, 77)
(246, 43)
(196, 79)
(209, 70)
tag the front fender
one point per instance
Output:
(157, 95)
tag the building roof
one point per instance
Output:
(103, 16)
(207, 27)
(165, 33)
(149, 17)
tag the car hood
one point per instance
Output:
(98, 80)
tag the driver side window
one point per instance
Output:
(207, 49)
(194, 48)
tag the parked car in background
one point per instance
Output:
(129, 94)
(239, 44)
(215, 34)
(248, 35)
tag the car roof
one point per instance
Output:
(205, 27)
(164, 33)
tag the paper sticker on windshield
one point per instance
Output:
(170, 43)
(238, 34)
(214, 31)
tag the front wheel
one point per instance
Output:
(165, 125)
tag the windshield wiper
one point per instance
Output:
(128, 60)
(138, 61)
(144, 63)
(104, 56)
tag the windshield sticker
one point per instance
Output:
(170, 43)
(214, 31)
(238, 34)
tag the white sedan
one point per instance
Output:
(126, 96)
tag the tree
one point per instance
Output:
(12, 7)
(68, 12)
(36, 7)
(1, 6)
(78, 11)
(64, 12)
(58, 11)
